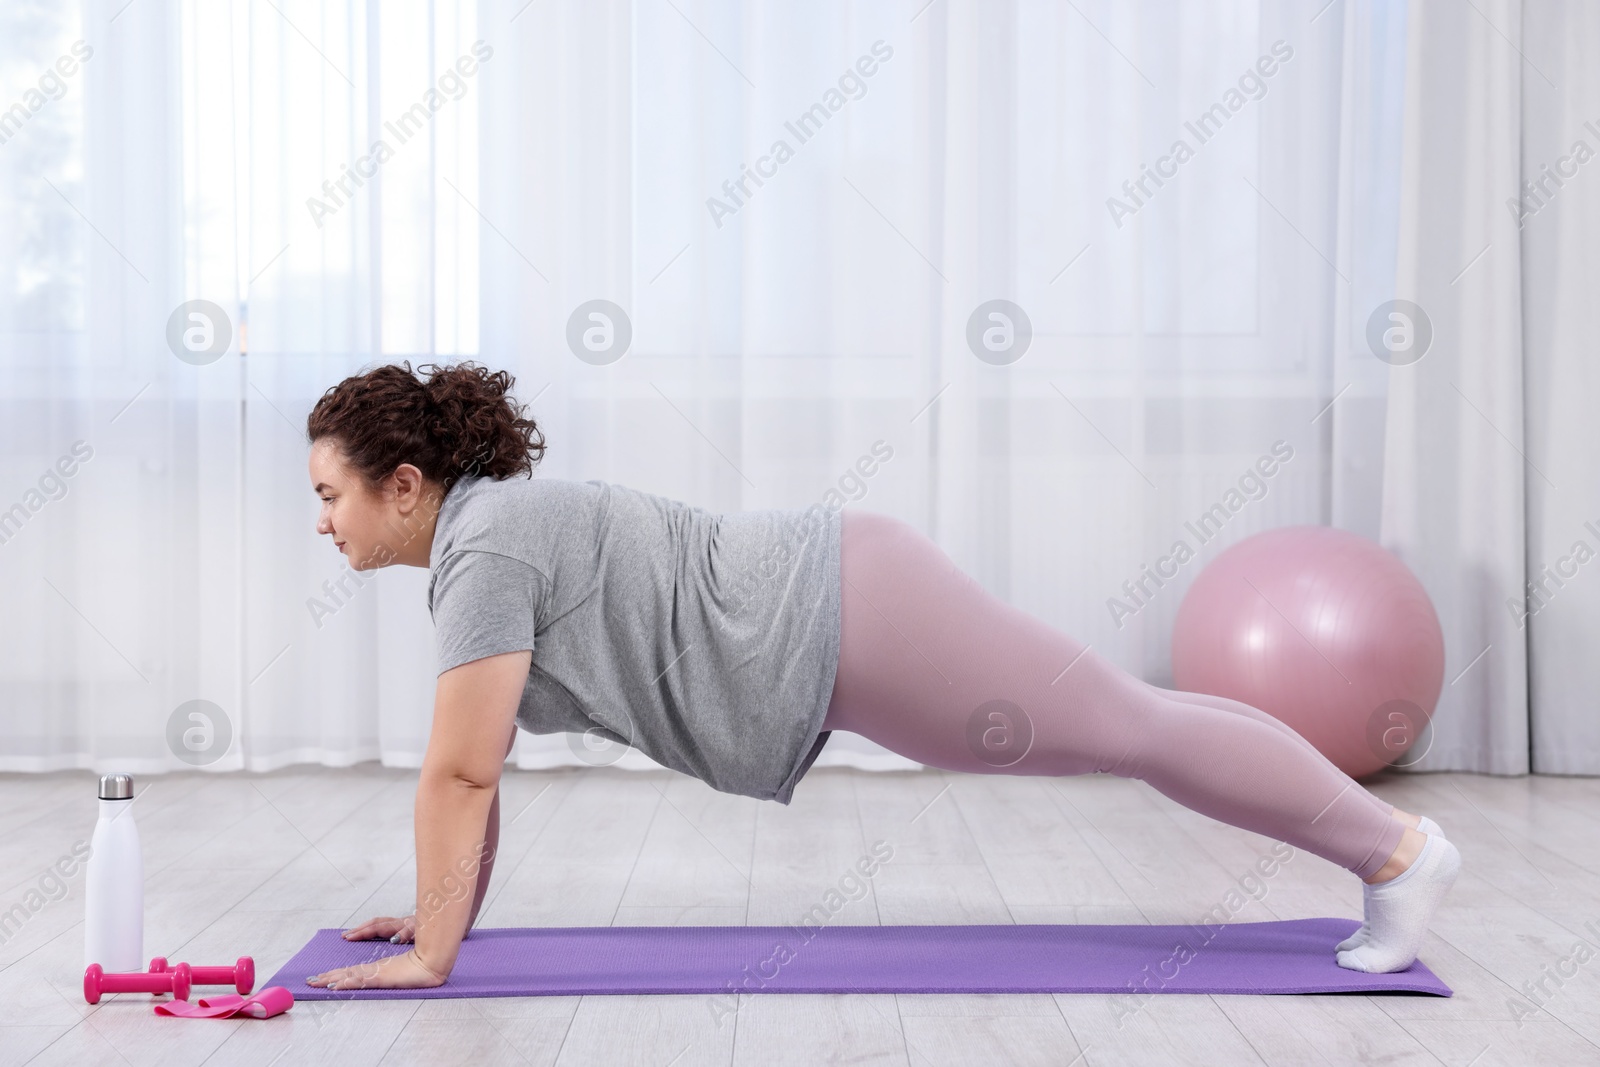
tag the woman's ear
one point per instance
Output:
(408, 480)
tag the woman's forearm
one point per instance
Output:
(491, 846)
(491, 842)
(451, 817)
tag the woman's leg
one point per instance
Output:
(1240, 708)
(934, 667)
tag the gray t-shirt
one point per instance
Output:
(708, 642)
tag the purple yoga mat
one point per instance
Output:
(1265, 957)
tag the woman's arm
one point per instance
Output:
(491, 845)
(404, 929)
(457, 792)
(457, 821)
(450, 816)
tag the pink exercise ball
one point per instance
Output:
(1325, 630)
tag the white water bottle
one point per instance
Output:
(113, 927)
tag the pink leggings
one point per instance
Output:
(934, 667)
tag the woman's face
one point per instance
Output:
(372, 529)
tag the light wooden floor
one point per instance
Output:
(253, 864)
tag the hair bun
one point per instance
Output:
(459, 421)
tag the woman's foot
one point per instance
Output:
(1417, 822)
(1399, 908)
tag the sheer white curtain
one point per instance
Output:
(120, 564)
(202, 151)
(798, 291)
(800, 322)
(362, 132)
(1455, 504)
(1491, 470)
(1559, 280)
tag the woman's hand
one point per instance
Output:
(399, 930)
(403, 971)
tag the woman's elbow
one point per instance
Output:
(463, 778)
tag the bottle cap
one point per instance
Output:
(116, 786)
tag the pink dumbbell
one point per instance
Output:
(96, 981)
(242, 975)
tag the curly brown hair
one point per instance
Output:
(461, 421)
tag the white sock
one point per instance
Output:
(1425, 825)
(1402, 907)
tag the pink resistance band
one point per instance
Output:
(273, 1000)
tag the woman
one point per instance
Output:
(730, 646)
